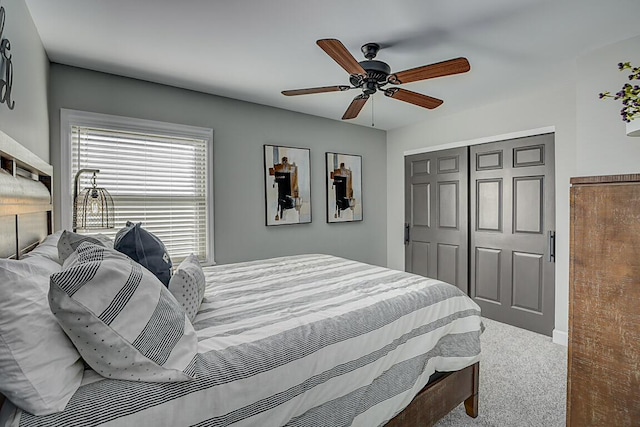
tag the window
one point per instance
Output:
(157, 173)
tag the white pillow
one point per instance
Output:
(187, 285)
(27, 267)
(41, 369)
(48, 248)
(124, 322)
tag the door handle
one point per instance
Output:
(552, 246)
(406, 233)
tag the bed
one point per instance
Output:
(308, 340)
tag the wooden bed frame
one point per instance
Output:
(26, 217)
(440, 397)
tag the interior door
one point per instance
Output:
(512, 274)
(436, 215)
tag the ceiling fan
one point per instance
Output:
(372, 75)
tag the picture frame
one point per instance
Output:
(344, 187)
(287, 185)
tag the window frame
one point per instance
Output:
(70, 118)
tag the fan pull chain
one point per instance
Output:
(372, 124)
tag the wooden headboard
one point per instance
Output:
(26, 209)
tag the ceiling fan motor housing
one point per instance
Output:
(377, 76)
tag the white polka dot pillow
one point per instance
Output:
(122, 319)
(187, 285)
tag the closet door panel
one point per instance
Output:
(512, 275)
(436, 215)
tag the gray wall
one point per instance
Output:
(28, 122)
(240, 130)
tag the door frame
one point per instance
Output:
(484, 140)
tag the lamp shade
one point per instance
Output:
(93, 209)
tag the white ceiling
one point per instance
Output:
(253, 49)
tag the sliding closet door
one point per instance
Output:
(436, 215)
(512, 224)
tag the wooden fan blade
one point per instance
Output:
(355, 107)
(414, 98)
(312, 90)
(336, 50)
(440, 69)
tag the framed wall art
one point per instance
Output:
(287, 185)
(344, 187)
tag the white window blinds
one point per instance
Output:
(158, 180)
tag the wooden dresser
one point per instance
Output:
(604, 302)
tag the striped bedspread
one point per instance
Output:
(310, 340)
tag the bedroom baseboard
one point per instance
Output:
(560, 337)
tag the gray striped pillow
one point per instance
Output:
(122, 320)
(69, 242)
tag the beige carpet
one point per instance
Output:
(523, 378)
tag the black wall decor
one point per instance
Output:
(6, 66)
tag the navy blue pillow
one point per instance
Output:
(146, 249)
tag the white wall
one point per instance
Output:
(603, 147)
(28, 122)
(239, 131)
(552, 107)
(589, 140)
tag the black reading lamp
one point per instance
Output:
(93, 206)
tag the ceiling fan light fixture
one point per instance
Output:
(370, 88)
